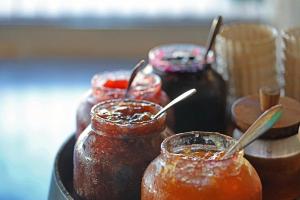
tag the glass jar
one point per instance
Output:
(111, 156)
(181, 67)
(113, 85)
(247, 56)
(191, 167)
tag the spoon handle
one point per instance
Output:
(214, 30)
(174, 101)
(260, 126)
(133, 74)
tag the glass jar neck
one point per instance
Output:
(145, 86)
(123, 129)
(178, 151)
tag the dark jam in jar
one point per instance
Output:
(113, 85)
(123, 114)
(181, 67)
(111, 155)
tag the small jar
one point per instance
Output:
(191, 167)
(113, 85)
(181, 67)
(111, 155)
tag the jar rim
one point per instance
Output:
(115, 101)
(98, 81)
(219, 141)
(291, 33)
(157, 57)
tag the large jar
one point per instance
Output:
(111, 155)
(275, 155)
(181, 67)
(191, 167)
(112, 85)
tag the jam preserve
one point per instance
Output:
(112, 86)
(111, 155)
(191, 166)
(181, 67)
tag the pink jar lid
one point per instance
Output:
(179, 57)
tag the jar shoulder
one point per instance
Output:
(160, 169)
(94, 145)
(151, 174)
(91, 145)
(161, 180)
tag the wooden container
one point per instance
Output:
(276, 155)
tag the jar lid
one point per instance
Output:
(179, 57)
(247, 109)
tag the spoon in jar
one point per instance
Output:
(214, 30)
(133, 74)
(175, 101)
(260, 126)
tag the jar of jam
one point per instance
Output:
(191, 167)
(111, 155)
(112, 85)
(181, 67)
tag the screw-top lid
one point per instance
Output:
(247, 109)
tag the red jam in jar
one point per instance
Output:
(111, 155)
(116, 84)
(109, 86)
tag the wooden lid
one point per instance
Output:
(247, 109)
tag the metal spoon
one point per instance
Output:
(260, 126)
(133, 74)
(214, 30)
(175, 101)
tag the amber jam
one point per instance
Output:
(191, 166)
(203, 154)
(111, 156)
(113, 86)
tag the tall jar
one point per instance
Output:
(112, 85)
(181, 67)
(191, 167)
(111, 155)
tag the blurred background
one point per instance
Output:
(49, 49)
